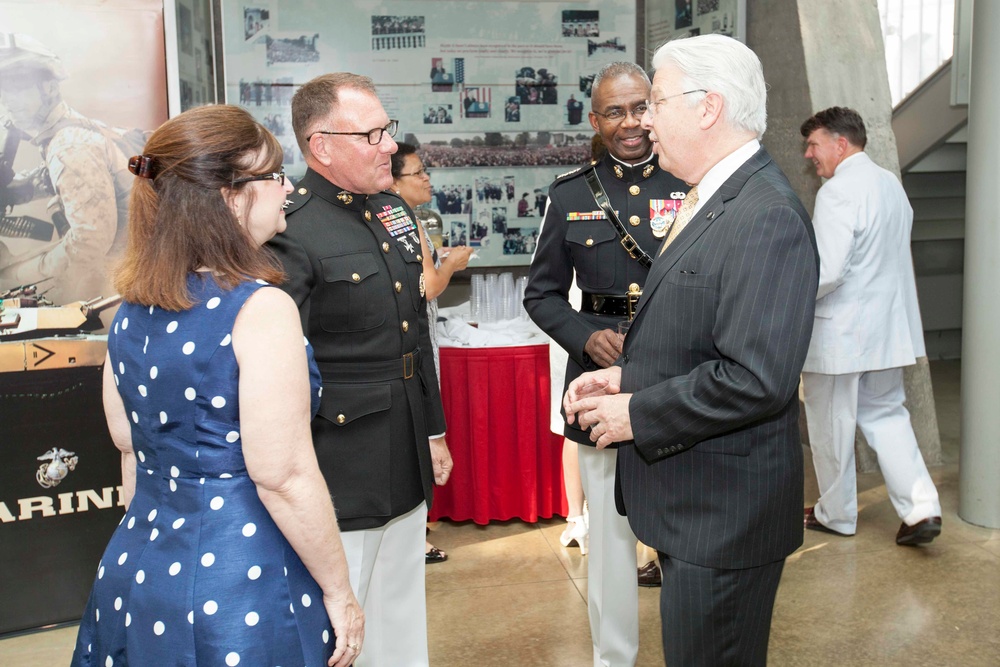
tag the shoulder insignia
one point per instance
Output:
(570, 174)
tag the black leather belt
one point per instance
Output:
(370, 371)
(605, 304)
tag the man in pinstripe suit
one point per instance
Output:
(703, 396)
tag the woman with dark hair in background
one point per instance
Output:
(229, 551)
(412, 182)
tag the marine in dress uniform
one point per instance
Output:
(577, 238)
(354, 265)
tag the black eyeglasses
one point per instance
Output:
(618, 114)
(374, 136)
(419, 172)
(273, 176)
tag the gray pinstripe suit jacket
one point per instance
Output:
(713, 359)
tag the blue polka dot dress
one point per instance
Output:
(197, 573)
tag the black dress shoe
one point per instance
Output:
(649, 575)
(922, 532)
(435, 555)
(812, 523)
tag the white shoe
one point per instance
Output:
(575, 532)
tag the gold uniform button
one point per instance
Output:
(420, 258)
(398, 286)
(634, 190)
(406, 326)
(634, 221)
(633, 287)
(385, 246)
(589, 242)
(355, 277)
(341, 419)
(368, 214)
(302, 191)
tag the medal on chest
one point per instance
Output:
(662, 213)
(400, 226)
(574, 216)
(396, 220)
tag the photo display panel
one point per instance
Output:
(495, 95)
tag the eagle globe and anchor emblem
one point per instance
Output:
(59, 463)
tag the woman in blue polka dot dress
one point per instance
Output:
(229, 553)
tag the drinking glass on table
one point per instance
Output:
(492, 298)
(507, 296)
(477, 298)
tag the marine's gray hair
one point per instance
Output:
(725, 66)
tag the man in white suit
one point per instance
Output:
(867, 328)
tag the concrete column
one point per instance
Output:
(818, 55)
(979, 490)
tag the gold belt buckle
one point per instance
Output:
(407, 365)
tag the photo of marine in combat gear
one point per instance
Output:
(67, 216)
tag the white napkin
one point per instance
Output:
(455, 331)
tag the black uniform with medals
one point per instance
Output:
(576, 236)
(355, 270)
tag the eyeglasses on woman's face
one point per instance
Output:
(418, 173)
(274, 176)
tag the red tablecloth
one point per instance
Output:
(508, 464)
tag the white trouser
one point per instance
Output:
(612, 590)
(873, 401)
(387, 574)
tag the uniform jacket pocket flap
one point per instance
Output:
(345, 404)
(590, 235)
(351, 268)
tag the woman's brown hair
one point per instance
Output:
(178, 219)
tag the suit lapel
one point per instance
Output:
(713, 209)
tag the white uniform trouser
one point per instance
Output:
(387, 575)
(874, 402)
(612, 591)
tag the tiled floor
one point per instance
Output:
(511, 595)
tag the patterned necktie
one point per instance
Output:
(683, 217)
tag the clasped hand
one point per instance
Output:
(595, 400)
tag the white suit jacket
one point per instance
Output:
(867, 315)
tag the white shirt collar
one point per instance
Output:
(631, 165)
(723, 169)
(848, 159)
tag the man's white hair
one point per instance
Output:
(725, 66)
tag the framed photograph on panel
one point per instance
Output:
(671, 19)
